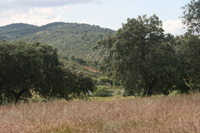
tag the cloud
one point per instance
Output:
(37, 12)
(174, 27)
(41, 3)
(83, 21)
(36, 16)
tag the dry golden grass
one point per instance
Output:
(179, 114)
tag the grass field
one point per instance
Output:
(176, 114)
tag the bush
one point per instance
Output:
(104, 80)
(35, 97)
(103, 91)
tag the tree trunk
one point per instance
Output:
(145, 92)
(149, 93)
(165, 92)
(17, 95)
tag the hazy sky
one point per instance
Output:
(105, 13)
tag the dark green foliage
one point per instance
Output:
(20, 69)
(191, 16)
(70, 39)
(25, 67)
(105, 80)
(142, 57)
(189, 45)
(84, 83)
(189, 56)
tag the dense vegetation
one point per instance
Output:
(191, 16)
(70, 39)
(36, 67)
(140, 56)
(148, 62)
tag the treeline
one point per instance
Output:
(36, 67)
(148, 62)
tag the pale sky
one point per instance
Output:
(105, 13)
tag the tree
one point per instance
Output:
(20, 69)
(188, 50)
(25, 67)
(190, 44)
(50, 67)
(191, 16)
(85, 84)
(141, 56)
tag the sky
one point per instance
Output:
(105, 13)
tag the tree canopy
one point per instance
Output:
(190, 43)
(191, 16)
(188, 51)
(142, 57)
(37, 67)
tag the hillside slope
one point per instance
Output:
(16, 31)
(71, 39)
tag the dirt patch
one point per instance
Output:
(91, 68)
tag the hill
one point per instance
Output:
(16, 31)
(71, 39)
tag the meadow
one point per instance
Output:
(175, 114)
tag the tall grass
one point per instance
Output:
(155, 115)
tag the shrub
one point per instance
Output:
(103, 91)
(35, 97)
(104, 80)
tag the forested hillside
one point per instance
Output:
(71, 39)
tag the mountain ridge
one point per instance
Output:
(71, 39)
